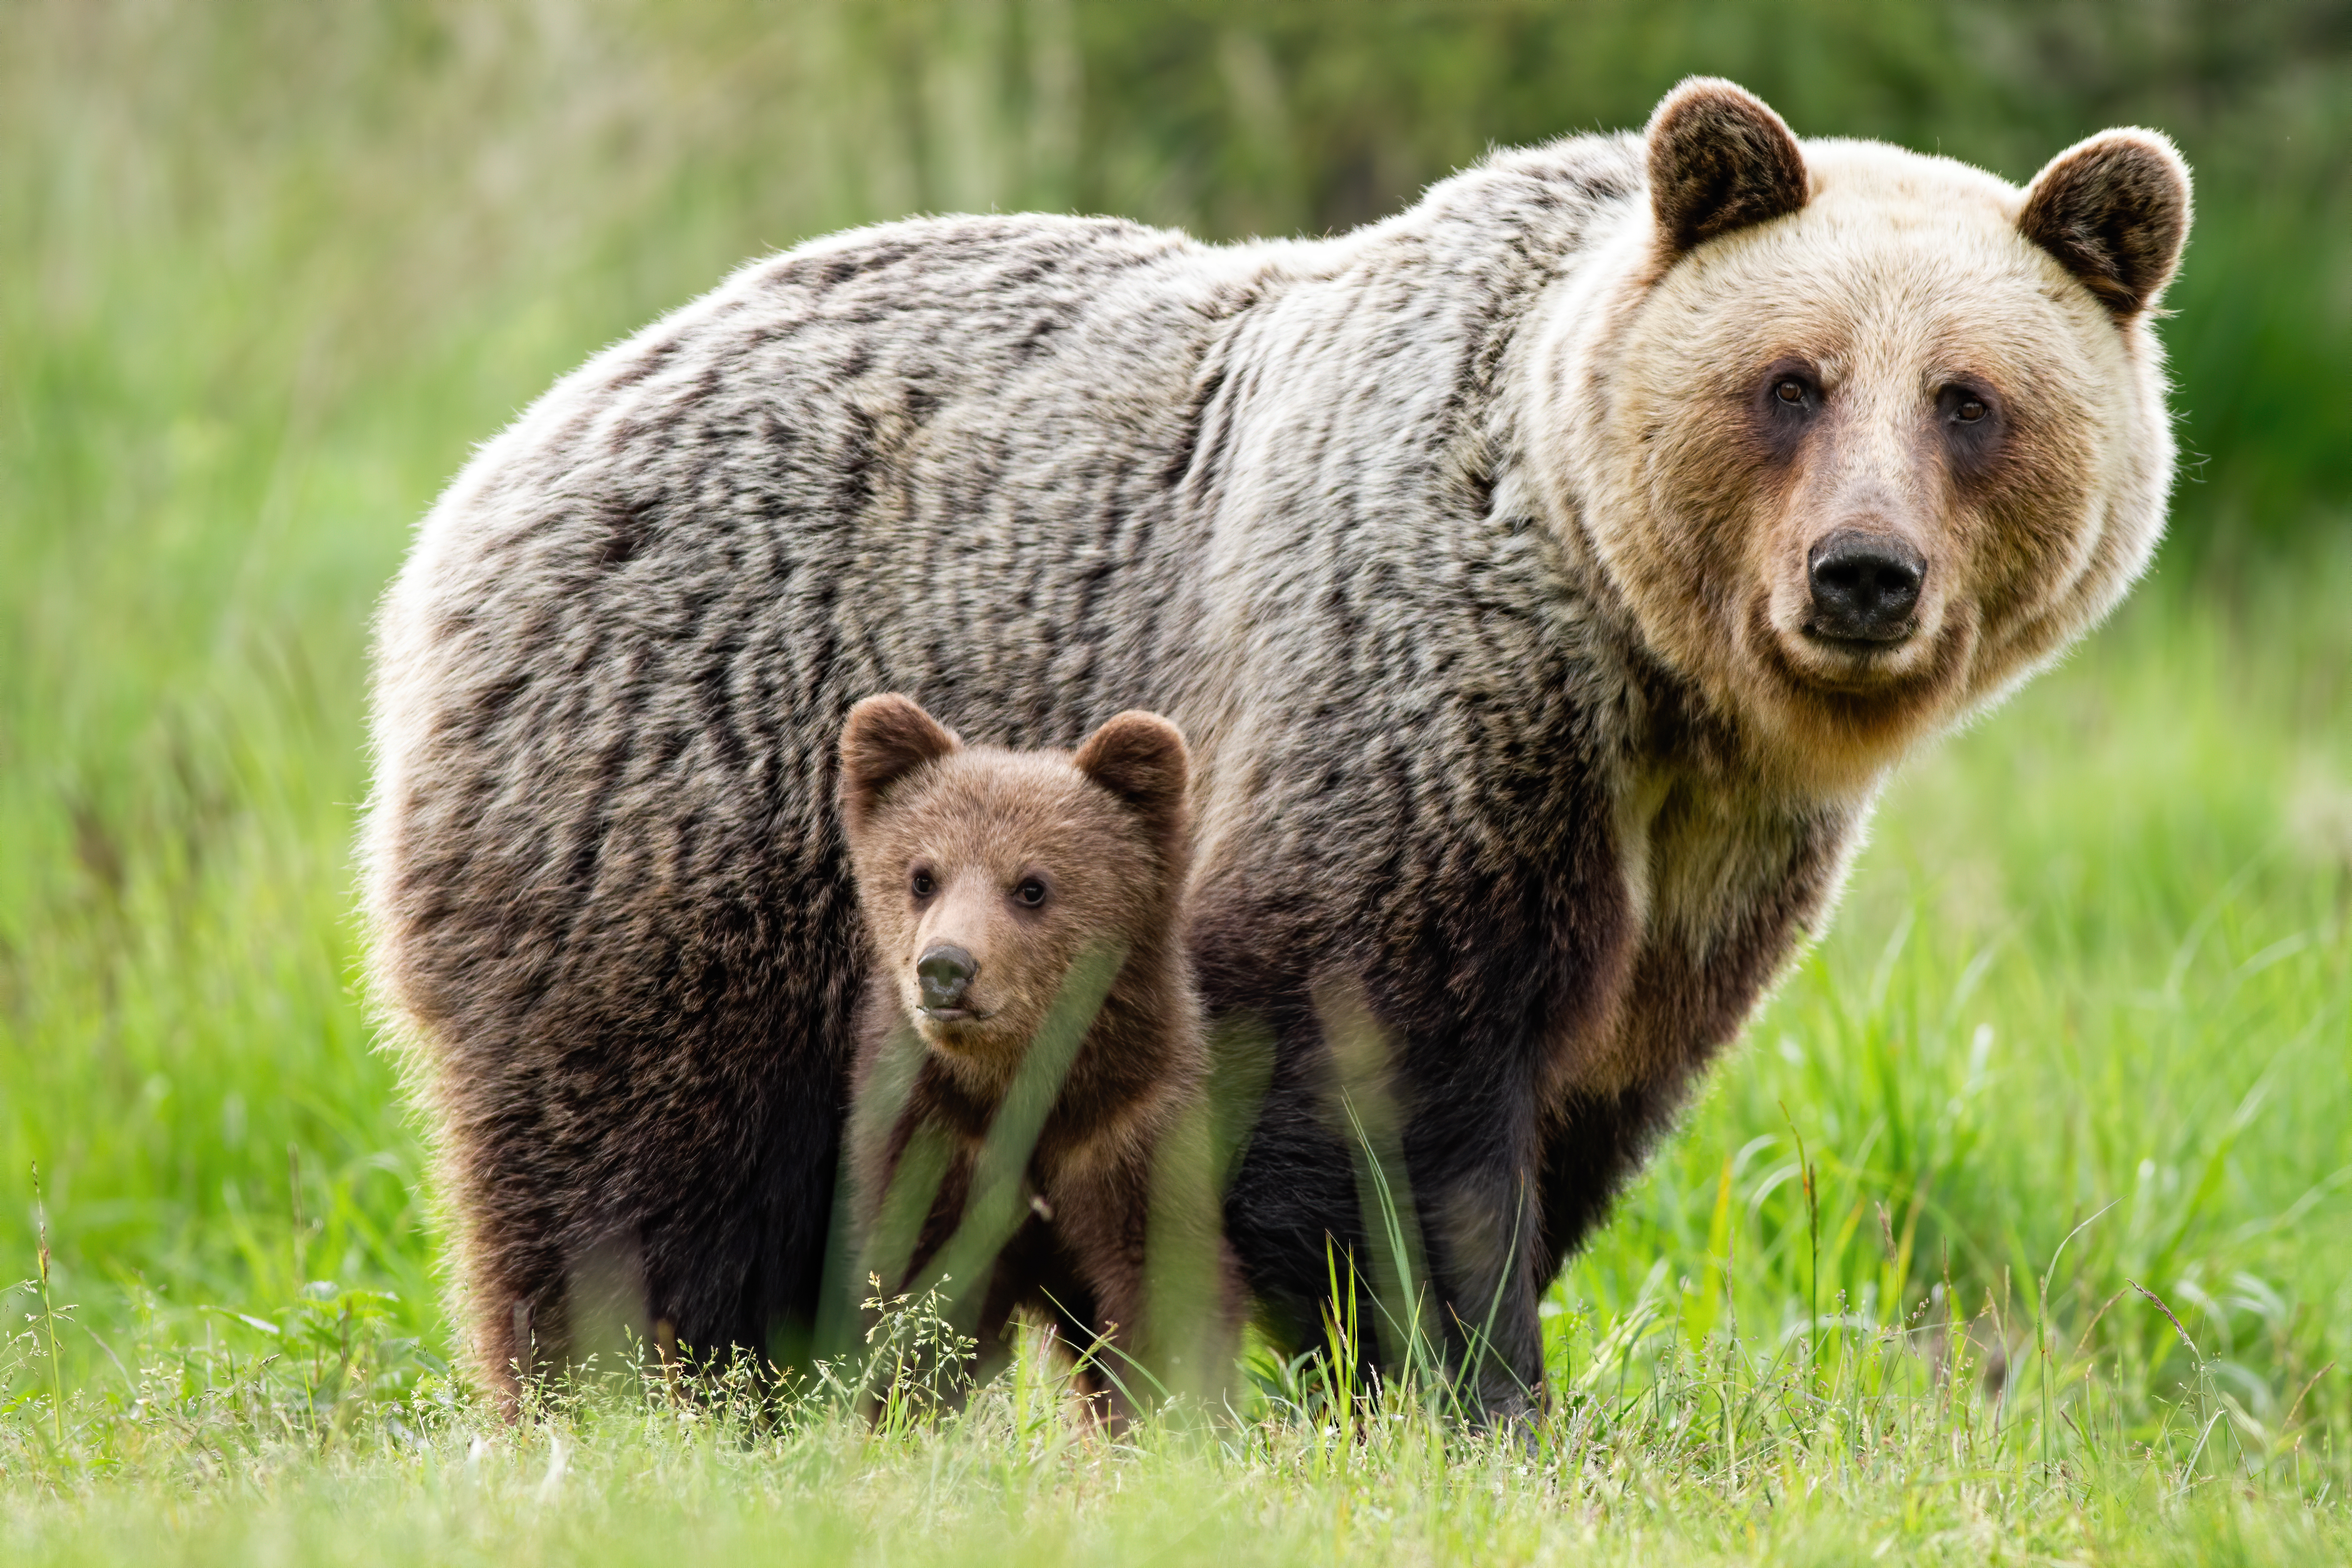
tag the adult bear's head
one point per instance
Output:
(1860, 436)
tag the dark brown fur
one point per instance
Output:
(944, 840)
(2115, 211)
(1720, 161)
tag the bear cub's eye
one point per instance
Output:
(922, 884)
(1031, 893)
(1790, 390)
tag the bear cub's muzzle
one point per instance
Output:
(944, 976)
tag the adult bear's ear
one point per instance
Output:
(1140, 758)
(886, 738)
(2114, 210)
(1719, 160)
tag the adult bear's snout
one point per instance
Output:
(1864, 586)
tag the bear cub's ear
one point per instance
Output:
(886, 739)
(1719, 160)
(2114, 210)
(1140, 758)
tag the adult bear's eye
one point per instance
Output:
(923, 885)
(1790, 390)
(1973, 426)
(1784, 405)
(1965, 405)
(1031, 893)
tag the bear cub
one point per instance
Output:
(1029, 1111)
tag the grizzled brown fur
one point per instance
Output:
(1017, 866)
(1489, 557)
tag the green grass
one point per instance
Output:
(2080, 1043)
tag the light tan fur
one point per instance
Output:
(1900, 274)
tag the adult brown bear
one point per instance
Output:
(1544, 577)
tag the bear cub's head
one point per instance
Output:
(984, 874)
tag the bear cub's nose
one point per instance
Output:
(944, 974)
(1865, 586)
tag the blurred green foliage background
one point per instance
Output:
(268, 271)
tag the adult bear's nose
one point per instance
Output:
(1865, 587)
(944, 974)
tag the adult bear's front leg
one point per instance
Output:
(1420, 1186)
(1475, 1164)
(1446, 1150)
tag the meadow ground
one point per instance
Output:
(2075, 1062)
(2018, 1226)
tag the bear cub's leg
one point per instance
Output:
(1030, 1115)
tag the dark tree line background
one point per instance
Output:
(444, 159)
